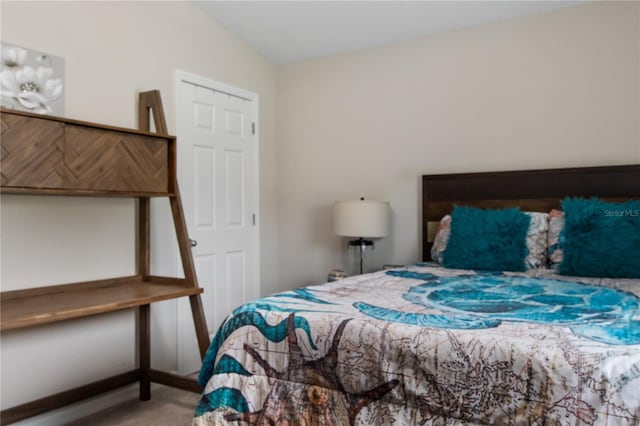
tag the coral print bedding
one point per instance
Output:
(429, 345)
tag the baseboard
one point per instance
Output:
(83, 408)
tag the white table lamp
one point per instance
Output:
(361, 219)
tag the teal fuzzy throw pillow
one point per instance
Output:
(600, 239)
(491, 240)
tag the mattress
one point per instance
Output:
(427, 345)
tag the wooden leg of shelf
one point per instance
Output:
(200, 323)
(151, 100)
(188, 267)
(144, 231)
(144, 348)
(182, 235)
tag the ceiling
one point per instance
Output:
(292, 31)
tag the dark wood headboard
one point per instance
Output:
(531, 190)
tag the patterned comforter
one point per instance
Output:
(428, 345)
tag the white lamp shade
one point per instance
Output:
(362, 218)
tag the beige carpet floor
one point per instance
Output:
(167, 407)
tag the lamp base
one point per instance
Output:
(362, 243)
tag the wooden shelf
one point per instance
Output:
(42, 153)
(77, 192)
(45, 155)
(100, 126)
(26, 308)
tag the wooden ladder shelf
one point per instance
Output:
(128, 163)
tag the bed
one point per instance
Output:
(426, 344)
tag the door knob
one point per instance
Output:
(193, 242)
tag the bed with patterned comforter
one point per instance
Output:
(428, 345)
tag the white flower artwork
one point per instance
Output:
(31, 81)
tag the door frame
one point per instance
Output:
(183, 313)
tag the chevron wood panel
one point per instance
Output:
(31, 152)
(103, 160)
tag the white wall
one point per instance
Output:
(113, 50)
(553, 90)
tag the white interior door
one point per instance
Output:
(217, 169)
